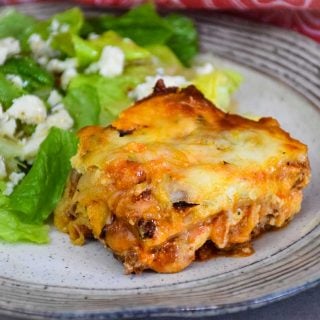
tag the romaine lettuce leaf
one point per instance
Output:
(131, 50)
(141, 24)
(8, 91)
(218, 86)
(136, 73)
(14, 230)
(40, 27)
(145, 27)
(14, 24)
(166, 59)
(87, 51)
(74, 46)
(34, 75)
(83, 50)
(83, 104)
(184, 39)
(73, 17)
(63, 43)
(3, 199)
(112, 93)
(20, 26)
(41, 189)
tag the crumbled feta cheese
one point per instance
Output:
(56, 27)
(40, 48)
(3, 55)
(3, 171)
(54, 98)
(127, 40)
(57, 107)
(67, 76)
(14, 179)
(56, 65)
(8, 126)
(110, 64)
(60, 119)
(17, 80)
(93, 68)
(93, 36)
(146, 88)
(8, 47)
(32, 144)
(12, 44)
(64, 28)
(29, 109)
(43, 60)
(9, 189)
(205, 69)
(160, 71)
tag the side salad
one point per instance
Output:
(61, 74)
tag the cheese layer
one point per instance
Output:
(173, 172)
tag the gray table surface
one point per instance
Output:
(303, 306)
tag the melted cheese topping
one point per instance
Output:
(175, 167)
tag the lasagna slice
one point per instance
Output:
(174, 173)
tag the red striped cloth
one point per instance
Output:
(300, 15)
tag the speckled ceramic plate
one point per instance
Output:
(281, 71)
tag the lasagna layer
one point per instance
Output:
(173, 172)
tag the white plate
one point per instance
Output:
(281, 71)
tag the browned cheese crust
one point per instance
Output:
(174, 172)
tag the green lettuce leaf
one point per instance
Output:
(14, 230)
(218, 86)
(63, 43)
(112, 93)
(41, 189)
(131, 50)
(40, 27)
(8, 91)
(74, 46)
(73, 17)
(87, 51)
(166, 59)
(136, 73)
(83, 104)
(84, 51)
(20, 26)
(141, 24)
(145, 27)
(184, 40)
(14, 24)
(36, 77)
